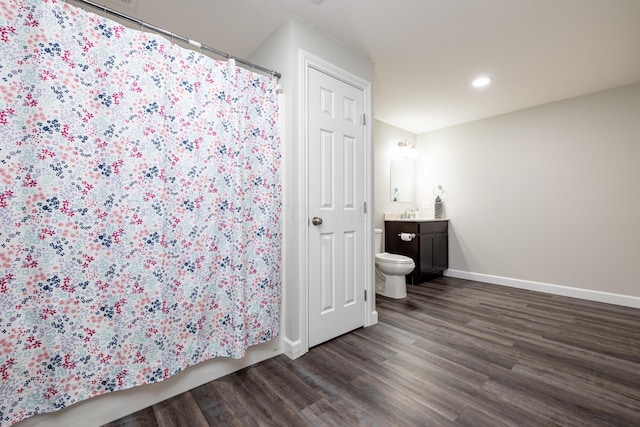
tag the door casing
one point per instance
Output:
(308, 61)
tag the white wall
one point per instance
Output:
(545, 198)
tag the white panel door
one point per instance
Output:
(336, 199)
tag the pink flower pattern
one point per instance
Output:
(140, 203)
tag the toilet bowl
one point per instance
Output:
(391, 270)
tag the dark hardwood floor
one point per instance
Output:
(453, 353)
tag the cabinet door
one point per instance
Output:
(427, 253)
(395, 245)
(441, 251)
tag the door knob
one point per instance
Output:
(316, 221)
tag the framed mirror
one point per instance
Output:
(403, 179)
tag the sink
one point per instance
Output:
(400, 217)
(411, 218)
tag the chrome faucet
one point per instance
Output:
(406, 215)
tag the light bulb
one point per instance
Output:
(481, 81)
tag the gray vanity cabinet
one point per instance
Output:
(429, 249)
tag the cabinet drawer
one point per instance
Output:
(433, 227)
(397, 227)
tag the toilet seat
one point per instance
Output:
(395, 259)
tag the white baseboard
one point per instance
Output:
(586, 294)
(292, 349)
(373, 318)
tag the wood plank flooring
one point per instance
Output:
(453, 353)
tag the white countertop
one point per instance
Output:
(396, 217)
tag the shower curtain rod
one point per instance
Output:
(179, 37)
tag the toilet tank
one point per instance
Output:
(377, 240)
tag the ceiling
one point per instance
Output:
(426, 52)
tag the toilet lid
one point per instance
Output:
(393, 258)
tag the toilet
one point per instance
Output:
(390, 271)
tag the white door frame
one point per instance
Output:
(307, 61)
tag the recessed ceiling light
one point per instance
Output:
(317, 1)
(481, 81)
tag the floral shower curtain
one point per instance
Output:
(140, 201)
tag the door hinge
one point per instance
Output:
(365, 295)
(365, 207)
(364, 119)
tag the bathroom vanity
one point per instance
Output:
(429, 248)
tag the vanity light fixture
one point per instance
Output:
(481, 81)
(407, 149)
